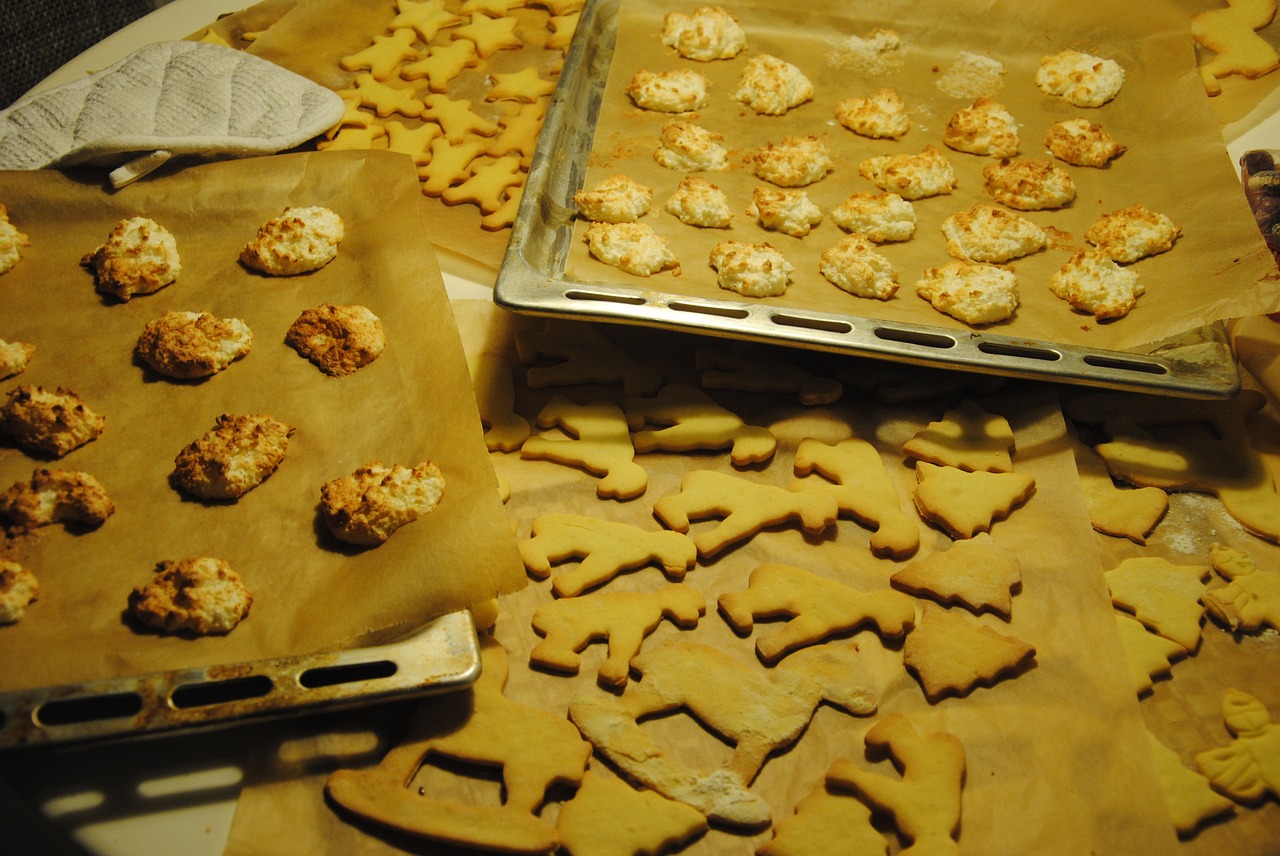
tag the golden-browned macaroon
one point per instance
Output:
(1080, 78)
(911, 176)
(752, 269)
(708, 33)
(1080, 142)
(232, 458)
(19, 588)
(56, 496)
(794, 162)
(633, 248)
(11, 242)
(700, 203)
(1133, 233)
(853, 265)
(41, 422)
(617, 198)
(339, 340)
(676, 91)
(771, 86)
(139, 257)
(200, 595)
(687, 147)
(1094, 284)
(881, 115)
(368, 506)
(986, 233)
(301, 240)
(790, 212)
(188, 345)
(1029, 184)
(14, 357)
(971, 292)
(985, 127)
(879, 217)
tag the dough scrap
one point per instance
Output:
(1162, 595)
(966, 503)
(598, 441)
(951, 655)
(975, 573)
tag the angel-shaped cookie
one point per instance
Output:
(1252, 597)
(1249, 767)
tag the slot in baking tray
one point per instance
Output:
(533, 279)
(442, 656)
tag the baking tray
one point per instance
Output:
(532, 279)
(442, 656)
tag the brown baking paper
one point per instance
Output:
(1175, 163)
(1057, 760)
(413, 403)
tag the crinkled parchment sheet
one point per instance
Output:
(1057, 762)
(1175, 164)
(414, 402)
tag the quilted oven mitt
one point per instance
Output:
(166, 99)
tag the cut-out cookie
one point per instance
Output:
(967, 438)
(1250, 599)
(1191, 799)
(426, 18)
(1226, 465)
(754, 370)
(606, 547)
(584, 356)
(692, 421)
(1162, 595)
(975, 573)
(744, 508)
(966, 503)
(816, 607)
(1248, 768)
(1119, 512)
(1148, 654)
(925, 802)
(534, 749)
(623, 619)
(491, 377)
(608, 817)
(600, 444)
(951, 655)
(1230, 35)
(856, 476)
(383, 56)
(827, 822)
(442, 64)
(758, 710)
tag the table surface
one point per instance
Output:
(178, 794)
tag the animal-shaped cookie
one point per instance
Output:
(968, 438)
(755, 370)
(862, 488)
(759, 711)
(491, 377)
(608, 817)
(1252, 597)
(1230, 35)
(598, 442)
(692, 421)
(534, 749)
(951, 655)
(1248, 768)
(623, 619)
(1162, 595)
(606, 547)
(966, 503)
(817, 608)
(744, 508)
(583, 356)
(975, 572)
(925, 801)
(827, 822)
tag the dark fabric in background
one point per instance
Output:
(38, 36)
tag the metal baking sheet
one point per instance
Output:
(440, 657)
(533, 279)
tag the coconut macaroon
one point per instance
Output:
(19, 588)
(882, 115)
(790, 212)
(41, 422)
(14, 357)
(1080, 142)
(633, 248)
(186, 345)
(1030, 184)
(616, 199)
(751, 269)
(338, 340)
(675, 91)
(139, 257)
(708, 33)
(232, 458)
(971, 292)
(200, 595)
(771, 86)
(985, 233)
(11, 242)
(985, 127)
(879, 217)
(368, 506)
(698, 202)
(1092, 283)
(300, 240)
(1080, 78)
(1133, 233)
(794, 162)
(911, 176)
(854, 266)
(687, 147)
(56, 496)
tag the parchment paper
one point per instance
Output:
(1176, 163)
(414, 402)
(1056, 756)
